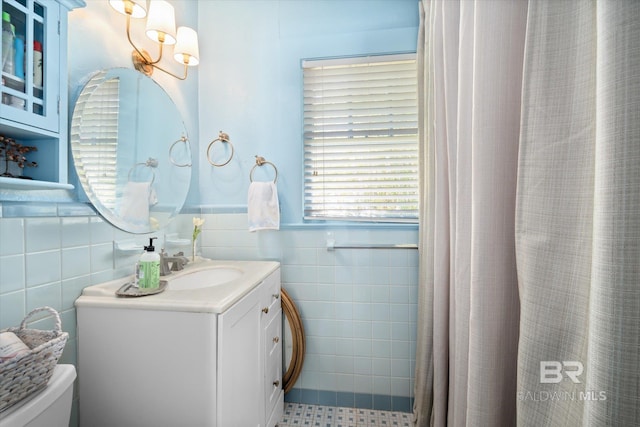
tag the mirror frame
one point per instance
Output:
(299, 343)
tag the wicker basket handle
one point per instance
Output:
(58, 323)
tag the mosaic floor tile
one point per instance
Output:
(297, 414)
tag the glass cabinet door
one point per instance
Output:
(30, 63)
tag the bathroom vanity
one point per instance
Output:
(205, 352)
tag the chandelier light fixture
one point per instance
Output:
(161, 28)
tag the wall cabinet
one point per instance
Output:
(33, 106)
(150, 367)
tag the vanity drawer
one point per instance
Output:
(271, 304)
(273, 335)
(273, 373)
(271, 328)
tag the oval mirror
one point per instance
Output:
(130, 150)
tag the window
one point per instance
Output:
(361, 139)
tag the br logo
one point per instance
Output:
(552, 371)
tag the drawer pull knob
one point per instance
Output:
(276, 339)
(276, 296)
(276, 383)
(265, 310)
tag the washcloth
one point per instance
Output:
(263, 208)
(134, 207)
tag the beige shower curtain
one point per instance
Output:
(468, 300)
(531, 151)
(578, 216)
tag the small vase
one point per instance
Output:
(193, 250)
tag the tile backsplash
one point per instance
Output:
(358, 306)
(48, 261)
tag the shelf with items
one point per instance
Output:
(27, 33)
(40, 164)
(33, 104)
(13, 93)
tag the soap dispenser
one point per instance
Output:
(149, 267)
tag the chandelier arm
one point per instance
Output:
(140, 52)
(159, 57)
(171, 74)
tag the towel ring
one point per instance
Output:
(222, 137)
(150, 163)
(259, 162)
(186, 141)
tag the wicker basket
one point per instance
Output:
(30, 372)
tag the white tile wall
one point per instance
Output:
(48, 261)
(358, 305)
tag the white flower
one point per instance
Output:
(197, 223)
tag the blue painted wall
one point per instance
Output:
(357, 306)
(251, 80)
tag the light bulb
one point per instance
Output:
(186, 49)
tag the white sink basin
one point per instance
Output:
(213, 276)
(205, 286)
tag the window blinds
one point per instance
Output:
(360, 139)
(99, 142)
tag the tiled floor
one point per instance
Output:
(300, 414)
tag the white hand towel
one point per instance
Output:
(134, 206)
(263, 208)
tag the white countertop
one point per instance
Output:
(214, 299)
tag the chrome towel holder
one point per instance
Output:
(151, 163)
(186, 141)
(259, 162)
(222, 137)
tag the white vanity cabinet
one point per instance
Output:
(239, 363)
(250, 353)
(33, 105)
(271, 351)
(143, 364)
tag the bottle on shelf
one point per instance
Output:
(37, 63)
(8, 51)
(18, 61)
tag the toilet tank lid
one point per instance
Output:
(25, 411)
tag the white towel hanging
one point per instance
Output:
(263, 208)
(134, 207)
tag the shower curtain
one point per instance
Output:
(578, 216)
(530, 133)
(468, 299)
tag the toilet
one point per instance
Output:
(51, 407)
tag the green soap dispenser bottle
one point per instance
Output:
(149, 267)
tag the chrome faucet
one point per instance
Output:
(178, 261)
